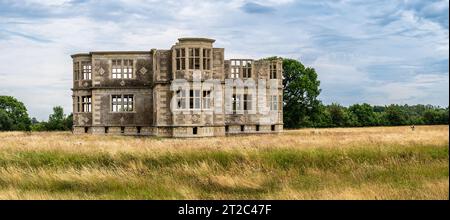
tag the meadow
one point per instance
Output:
(338, 163)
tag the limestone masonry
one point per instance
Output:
(189, 90)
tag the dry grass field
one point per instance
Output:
(342, 163)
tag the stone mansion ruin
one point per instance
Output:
(189, 90)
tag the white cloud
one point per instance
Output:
(421, 87)
(47, 3)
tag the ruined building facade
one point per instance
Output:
(170, 93)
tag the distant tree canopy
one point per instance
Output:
(13, 115)
(364, 115)
(340, 116)
(57, 121)
(335, 115)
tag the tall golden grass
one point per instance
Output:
(339, 163)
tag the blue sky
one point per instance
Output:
(374, 51)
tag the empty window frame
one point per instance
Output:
(194, 58)
(127, 69)
(180, 58)
(273, 70)
(206, 99)
(86, 103)
(194, 99)
(247, 69)
(236, 101)
(116, 69)
(122, 103)
(206, 59)
(241, 68)
(274, 102)
(76, 70)
(247, 102)
(87, 70)
(181, 99)
(235, 69)
(122, 69)
(235, 72)
(78, 104)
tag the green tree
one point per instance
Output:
(340, 116)
(301, 88)
(435, 116)
(364, 113)
(415, 113)
(34, 121)
(5, 121)
(396, 115)
(58, 121)
(323, 118)
(430, 116)
(443, 117)
(68, 122)
(13, 114)
(40, 126)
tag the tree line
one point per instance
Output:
(14, 117)
(361, 115)
(301, 108)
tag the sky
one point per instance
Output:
(373, 51)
